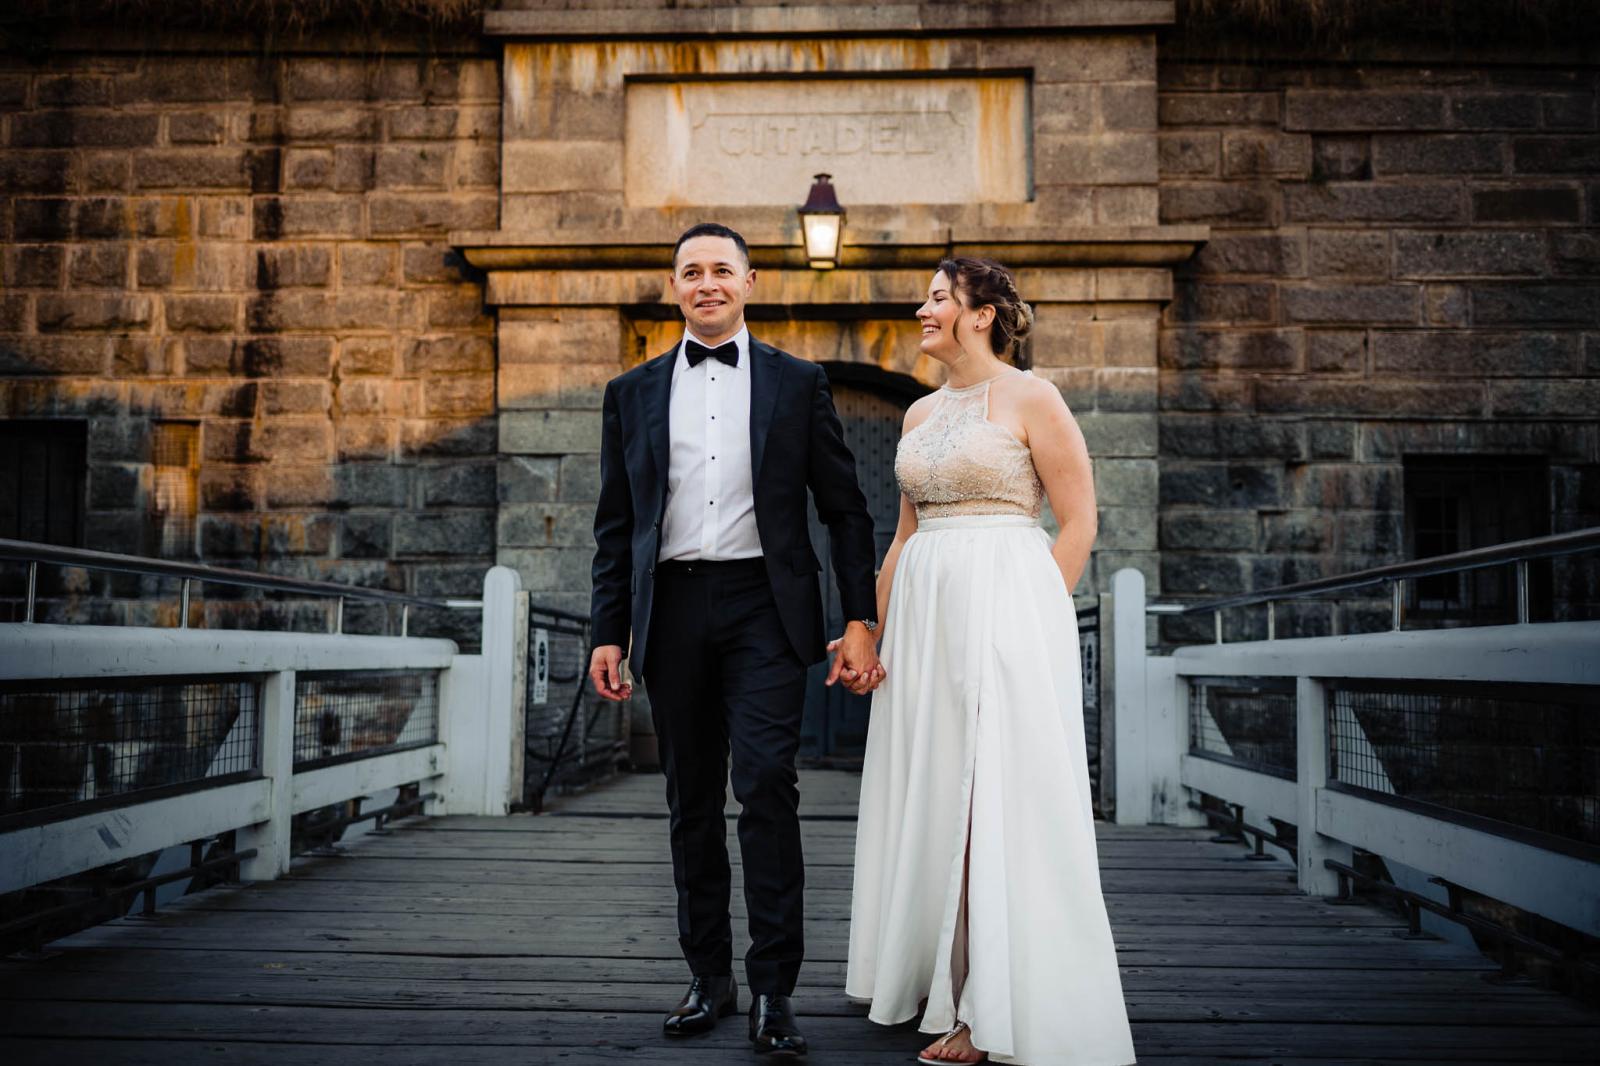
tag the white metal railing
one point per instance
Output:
(469, 766)
(1157, 776)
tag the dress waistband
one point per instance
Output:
(975, 521)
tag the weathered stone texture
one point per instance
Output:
(255, 244)
(1392, 248)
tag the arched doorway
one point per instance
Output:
(871, 405)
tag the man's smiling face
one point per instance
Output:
(712, 281)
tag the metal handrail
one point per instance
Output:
(33, 554)
(1519, 552)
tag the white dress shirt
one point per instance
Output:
(711, 504)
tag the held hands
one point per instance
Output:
(605, 670)
(856, 660)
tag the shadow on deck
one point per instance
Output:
(552, 939)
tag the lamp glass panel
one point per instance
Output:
(822, 236)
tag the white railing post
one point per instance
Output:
(480, 708)
(1123, 659)
(1311, 777)
(271, 837)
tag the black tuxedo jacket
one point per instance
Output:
(796, 443)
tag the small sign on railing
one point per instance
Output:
(541, 666)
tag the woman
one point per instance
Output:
(977, 886)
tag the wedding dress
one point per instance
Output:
(976, 738)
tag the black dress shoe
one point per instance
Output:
(708, 999)
(773, 1030)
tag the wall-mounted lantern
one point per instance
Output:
(822, 223)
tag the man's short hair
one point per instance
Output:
(711, 229)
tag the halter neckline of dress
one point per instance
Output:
(986, 381)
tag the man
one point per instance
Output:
(703, 556)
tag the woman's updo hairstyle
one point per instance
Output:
(983, 281)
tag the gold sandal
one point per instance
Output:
(955, 1030)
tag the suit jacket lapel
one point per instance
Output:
(766, 374)
(658, 403)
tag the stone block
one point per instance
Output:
(1550, 203)
(1351, 303)
(115, 486)
(330, 125)
(1189, 153)
(288, 266)
(1477, 352)
(1218, 109)
(292, 534)
(1118, 434)
(547, 570)
(257, 357)
(36, 266)
(192, 168)
(308, 168)
(1437, 154)
(1341, 157)
(1063, 108)
(477, 168)
(1205, 392)
(368, 264)
(444, 533)
(295, 397)
(355, 168)
(1195, 573)
(1545, 399)
(583, 386)
(196, 127)
(1128, 106)
(229, 536)
(1201, 349)
(202, 314)
(1125, 482)
(1254, 154)
(371, 309)
(458, 308)
(42, 219)
(1233, 304)
(546, 525)
(1532, 304)
(1125, 529)
(366, 536)
(1494, 110)
(449, 355)
(458, 396)
(278, 217)
(458, 484)
(295, 440)
(35, 172)
(1576, 252)
(1337, 351)
(549, 432)
(1210, 437)
(1231, 486)
(1126, 389)
(1207, 531)
(299, 486)
(447, 437)
(530, 479)
(1355, 253)
(1371, 202)
(72, 90)
(1456, 254)
(1127, 205)
(1331, 440)
(98, 266)
(577, 335)
(365, 438)
(1238, 203)
(83, 129)
(554, 166)
(422, 215)
(1389, 398)
(1077, 58)
(1556, 155)
(366, 484)
(367, 355)
(1076, 384)
(1377, 535)
(106, 171)
(412, 167)
(1322, 109)
(88, 311)
(1296, 531)
(579, 479)
(450, 580)
(1278, 255)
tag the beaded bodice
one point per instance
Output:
(957, 462)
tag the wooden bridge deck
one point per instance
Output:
(551, 939)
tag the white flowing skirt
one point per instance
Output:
(982, 711)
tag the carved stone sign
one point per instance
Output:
(918, 140)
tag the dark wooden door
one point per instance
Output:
(834, 729)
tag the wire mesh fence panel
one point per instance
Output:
(572, 736)
(355, 714)
(1527, 756)
(1089, 663)
(1245, 721)
(70, 743)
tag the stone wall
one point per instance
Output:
(256, 244)
(1402, 261)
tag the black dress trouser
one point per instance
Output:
(722, 676)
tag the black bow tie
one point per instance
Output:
(696, 352)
